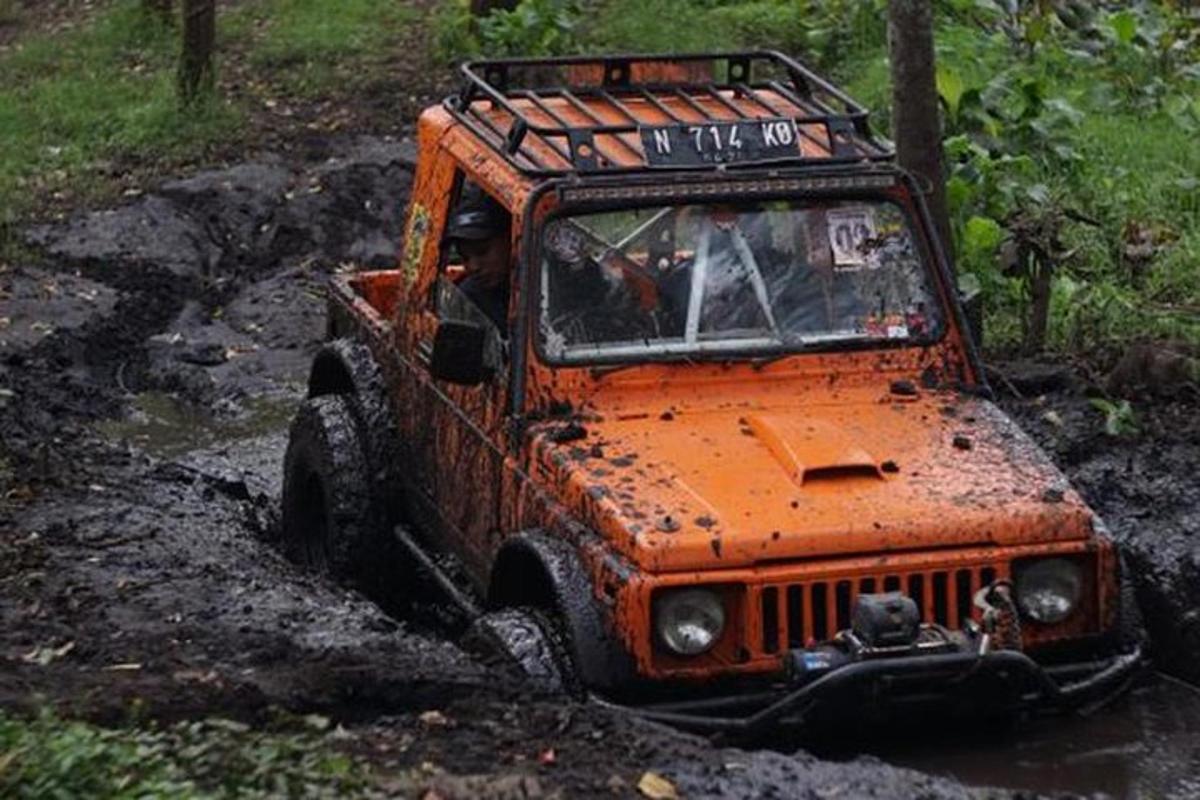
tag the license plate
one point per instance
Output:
(720, 142)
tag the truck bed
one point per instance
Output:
(364, 301)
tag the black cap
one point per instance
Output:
(478, 216)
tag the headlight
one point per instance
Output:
(1048, 590)
(689, 621)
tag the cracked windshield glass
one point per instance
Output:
(761, 279)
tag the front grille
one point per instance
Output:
(799, 614)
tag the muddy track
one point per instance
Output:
(148, 366)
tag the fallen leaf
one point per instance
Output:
(45, 655)
(1053, 418)
(196, 676)
(232, 726)
(316, 721)
(656, 787)
(434, 718)
(22, 493)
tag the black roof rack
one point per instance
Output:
(590, 114)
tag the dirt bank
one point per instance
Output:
(147, 369)
(1144, 483)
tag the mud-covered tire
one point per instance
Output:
(331, 522)
(530, 640)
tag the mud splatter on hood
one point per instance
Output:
(732, 487)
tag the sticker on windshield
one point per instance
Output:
(888, 326)
(850, 232)
(414, 242)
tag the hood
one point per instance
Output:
(739, 486)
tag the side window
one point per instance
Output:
(474, 268)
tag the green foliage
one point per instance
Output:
(532, 28)
(820, 32)
(541, 27)
(454, 32)
(1119, 419)
(51, 757)
(1066, 143)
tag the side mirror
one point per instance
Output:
(458, 353)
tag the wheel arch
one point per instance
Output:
(536, 569)
(333, 368)
(346, 366)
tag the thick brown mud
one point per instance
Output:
(148, 368)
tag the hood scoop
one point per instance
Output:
(813, 450)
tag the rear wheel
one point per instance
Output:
(332, 523)
(530, 640)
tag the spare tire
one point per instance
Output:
(332, 524)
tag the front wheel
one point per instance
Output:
(331, 522)
(530, 640)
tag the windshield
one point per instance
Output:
(766, 278)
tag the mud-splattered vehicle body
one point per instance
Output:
(734, 442)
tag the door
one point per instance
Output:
(462, 427)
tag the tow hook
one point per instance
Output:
(1001, 622)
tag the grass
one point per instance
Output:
(308, 48)
(74, 104)
(79, 107)
(213, 758)
(10, 11)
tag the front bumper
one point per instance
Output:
(1008, 679)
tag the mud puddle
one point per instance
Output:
(1145, 744)
(165, 426)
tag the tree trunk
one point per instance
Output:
(916, 115)
(1041, 284)
(163, 9)
(199, 37)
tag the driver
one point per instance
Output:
(480, 229)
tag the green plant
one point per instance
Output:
(454, 34)
(1119, 419)
(51, 757)
(533, 28)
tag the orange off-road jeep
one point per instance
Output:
(727, 438)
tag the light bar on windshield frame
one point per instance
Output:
(765, 186)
